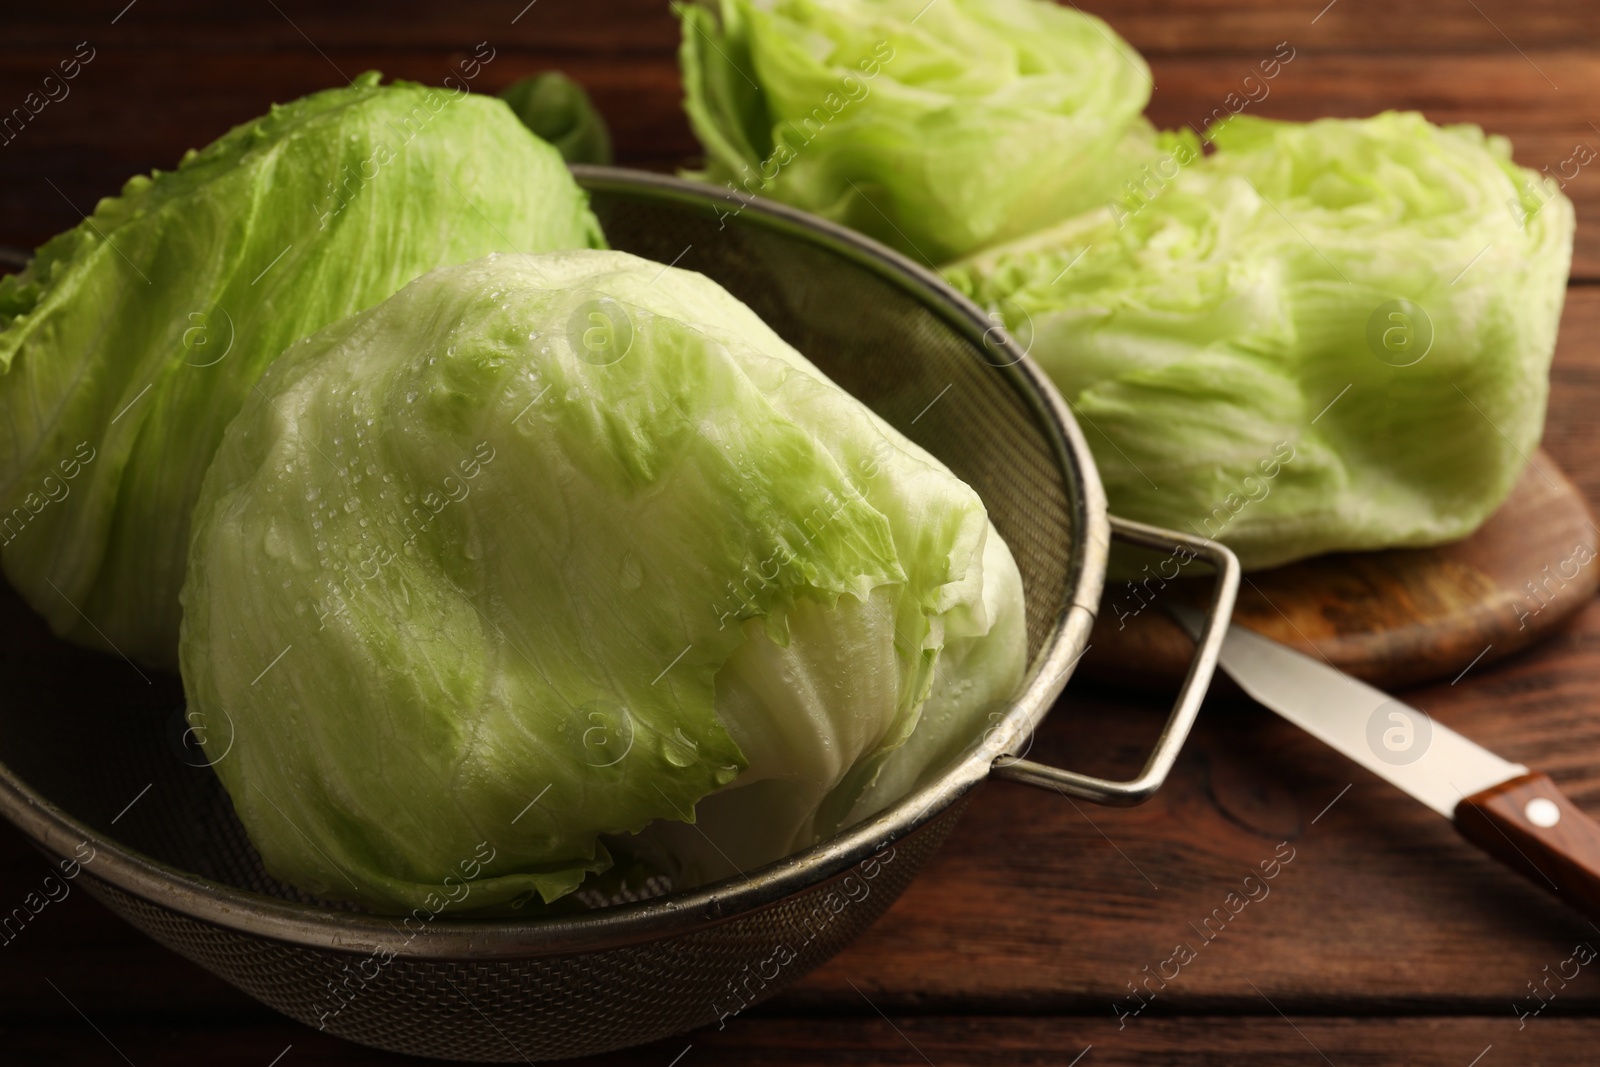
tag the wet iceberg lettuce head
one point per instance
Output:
(937, 128)
(1323, 336)
(544, 550)
(132, 339)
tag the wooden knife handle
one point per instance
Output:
(1527, 824)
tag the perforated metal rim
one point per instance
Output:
(490, 939)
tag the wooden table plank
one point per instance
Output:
(615, 28)
(622, 27)
(871, 1040)
(1411, 27)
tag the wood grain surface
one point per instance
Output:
(171, 75)
(1385, 939)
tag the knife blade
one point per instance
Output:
(1517, 816)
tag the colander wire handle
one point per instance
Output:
(1184, 709)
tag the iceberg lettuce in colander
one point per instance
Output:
(133, 338)
(542, 552)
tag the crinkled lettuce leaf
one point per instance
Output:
(1322, 336)
(800, 786)
(936, 128)
(545, 550)
(132, 339)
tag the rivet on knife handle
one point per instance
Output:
(1530, 826)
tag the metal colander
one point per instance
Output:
(93, 761)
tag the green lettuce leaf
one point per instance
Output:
(1323, 336)
(557, 110)
(759, 818)
(936, 128)
(132, 339)
(544, 550)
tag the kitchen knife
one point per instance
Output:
(1517, 816)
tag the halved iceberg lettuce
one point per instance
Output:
(937, 128)
(1323, 336)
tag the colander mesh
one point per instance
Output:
(547, 1007)
(882, 343)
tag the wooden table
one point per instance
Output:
(1384, 940)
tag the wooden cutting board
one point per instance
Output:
(1393, 618)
